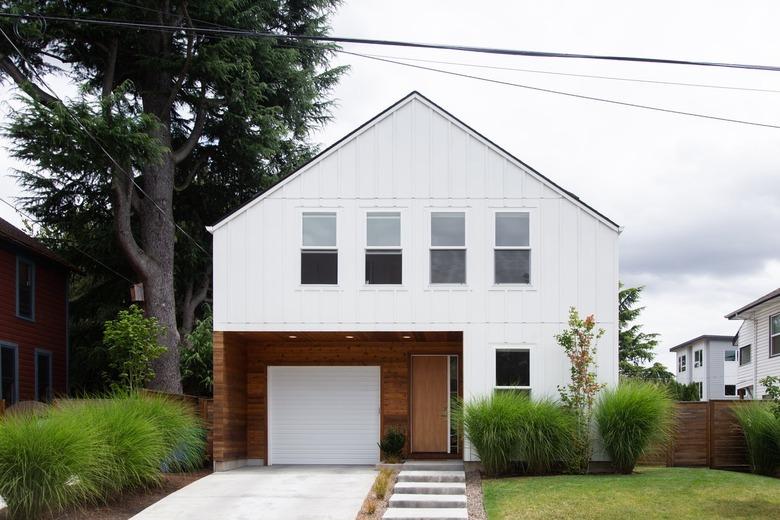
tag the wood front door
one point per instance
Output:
(430, 404)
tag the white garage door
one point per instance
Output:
(323, 415)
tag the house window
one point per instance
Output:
(681, 363)
(698, 358)
(319, 255)
(513, 370)
(744, 355)
(730, 390)
(43, 376)
(512, 252)
(774, 335)
(448, 247)
(9, 374)
(730, 355)
(383, 251)
(700, 389)
(25, 289)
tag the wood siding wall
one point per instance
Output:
(49, 329)
(240, 383)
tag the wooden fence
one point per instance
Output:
(706, 434)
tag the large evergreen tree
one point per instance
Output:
(195, 124)
(636, 348)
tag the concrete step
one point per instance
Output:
(433, 465)
(427, 501)
(436, 513)
(430, 488)
(431, 476)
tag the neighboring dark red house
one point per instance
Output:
(33, 318)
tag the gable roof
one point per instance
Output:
(755, 303)
(14, 235)
(706, 337)
(409, 97)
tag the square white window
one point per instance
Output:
(319, 230)
(513, 368)
(730, 390)
(698, 358)
(730, 355)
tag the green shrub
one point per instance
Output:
(683, 392)
(392, 444)
(197, 367)
(762, 435)
(630, 418)
(132, 344)
(491, 425)
(547, 435)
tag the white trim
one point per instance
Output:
(387, 113)
(429, 213)
(365, 248)
(514, 347)
(532, 248)
(302, 248)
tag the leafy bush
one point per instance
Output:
(392, 444)
(197, 369)
(630, 418)
(546, 437)
(131, 341)
(683, 392)
(84, 451)
(762, 435)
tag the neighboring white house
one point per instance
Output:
(758, 340)
(711, 363)
(412, 256)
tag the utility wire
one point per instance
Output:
(563, 93)
(28, 217)
(571, 74)
(391, 43)
(100, 145)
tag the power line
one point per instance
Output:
(391, 43)
(28, 217)
(571, 74)
(102, 148)
(564, 93)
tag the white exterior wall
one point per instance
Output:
(714, 373)
(416, 160)
(684, 377)
(755, 332)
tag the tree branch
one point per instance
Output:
(108, 78)
(122, 190)
(187, 62)
(8, 66)
(197, 129)
(191, 175)
(192, 299)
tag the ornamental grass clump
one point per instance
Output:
(546, 436)
(631, 418)
(762, 435)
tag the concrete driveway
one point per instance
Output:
(269, 493)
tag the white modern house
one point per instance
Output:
(412, 262)
(710, 362)
(758, 340)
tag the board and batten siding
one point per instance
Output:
(416, 159)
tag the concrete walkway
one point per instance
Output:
(269, 493)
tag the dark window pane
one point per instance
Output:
(383, 267)
(448, 229)
(319, 267)
(8, 375)
(730, 355)
(731, 390)
(744, 355)
(513, 368)
(43, 377)
(511, 229)
(775, 347)
(25, 288)
(448, 266)
(513, 266)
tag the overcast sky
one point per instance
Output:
(699, 199)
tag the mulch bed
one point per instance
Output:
(129, 504)
(373, 507)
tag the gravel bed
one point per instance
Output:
(474, 492)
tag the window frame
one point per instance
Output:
(24, 260)
(514, 348)
(304, 248)
(750, 355)
(700, 362)
(772, 336)
(15, 348)
(725, 354)
(463, 248)
(725, 391)
(48, 354)
(383, 249)
(528, 248)
(700, 388)
(681, 363)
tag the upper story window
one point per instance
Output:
(25, 288)
(744, 355)
(383, 248)
(513, 369)
(698, 358)
(512, 252)
(448, 247)
(774, 335)
(319, 253)
(730, 355)
(681, 363)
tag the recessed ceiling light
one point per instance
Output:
(292, 337)
(350, 337)
(407, 337)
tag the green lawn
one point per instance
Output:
(650, 493)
